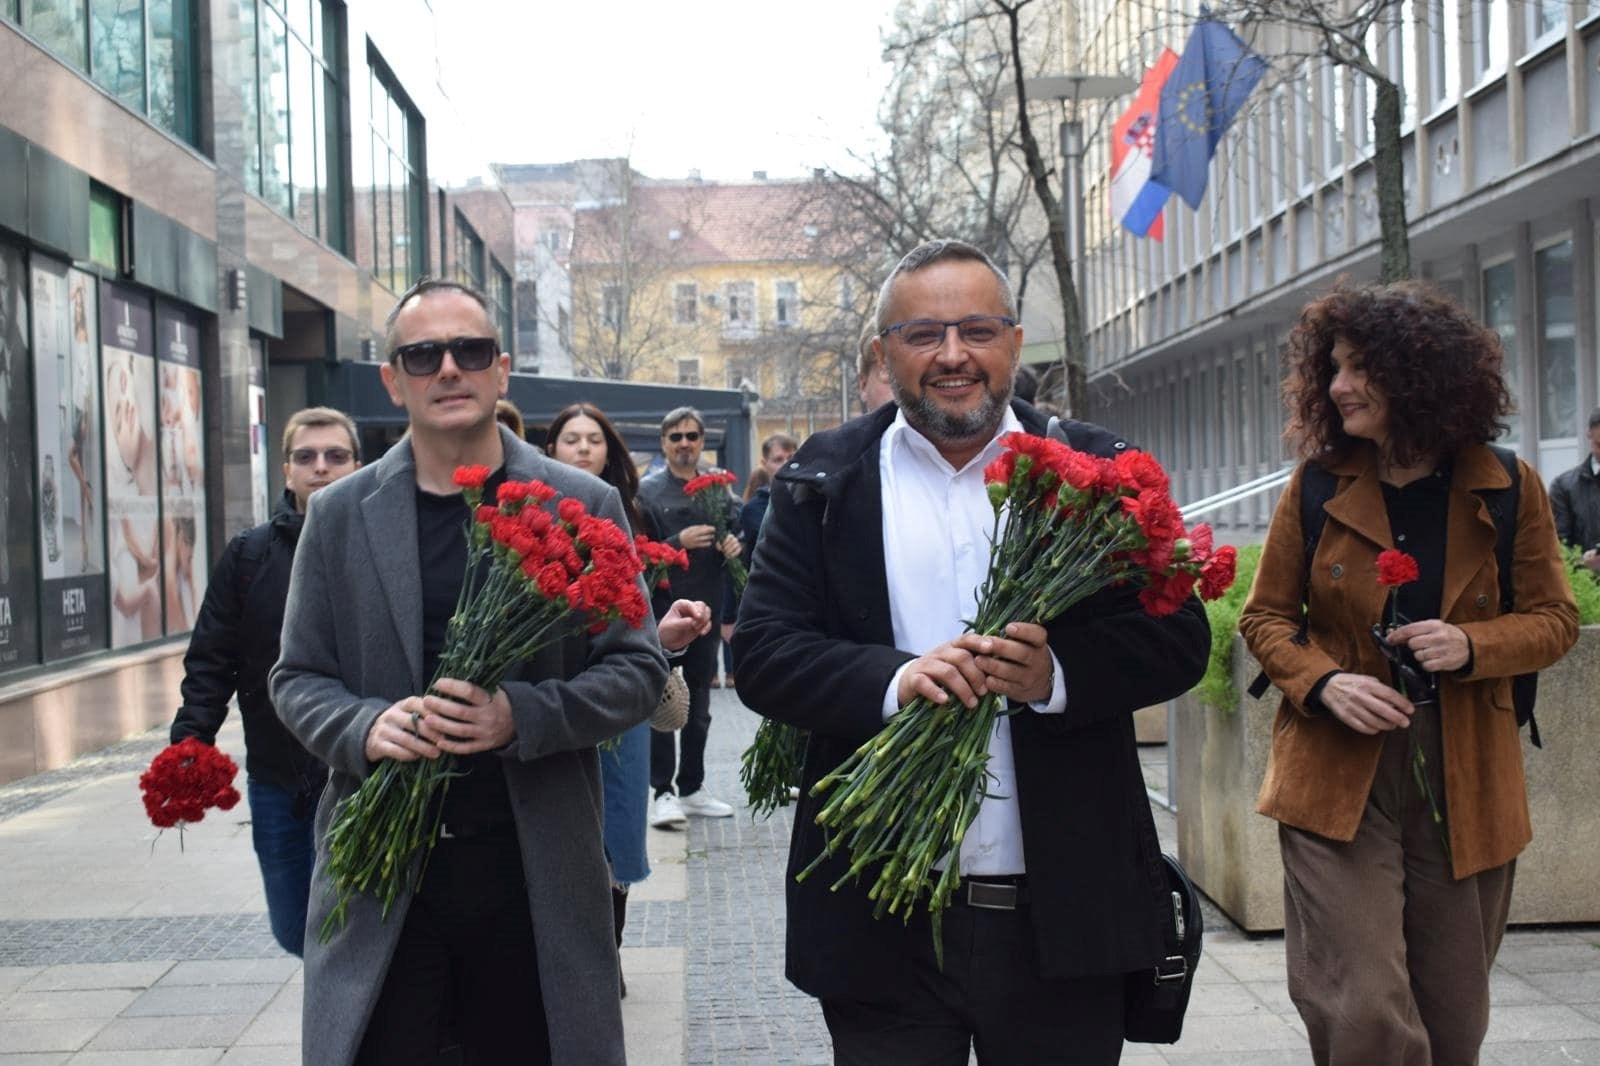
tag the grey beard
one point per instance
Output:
(938, 425)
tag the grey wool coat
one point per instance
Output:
(352, 645)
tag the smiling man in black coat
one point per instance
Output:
(863, 574)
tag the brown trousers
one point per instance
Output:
(1388, 954)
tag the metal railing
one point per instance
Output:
(1214, 502)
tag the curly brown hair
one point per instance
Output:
(1422, 352)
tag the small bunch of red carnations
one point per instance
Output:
(711, 494)
(1396, 568)
(533, 577)
(1067, 524)
(184, 781)
(658, 558)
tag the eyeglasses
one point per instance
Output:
(691, 436)
(332, 456)
(1417, 684)
(975, 331)
(425, 357)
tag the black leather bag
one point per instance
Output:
(1157, 998)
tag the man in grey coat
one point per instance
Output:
(507, 940)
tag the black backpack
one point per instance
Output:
(1317, 487)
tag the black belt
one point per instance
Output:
(459, 830)
(993, 893)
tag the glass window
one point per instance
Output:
(1547, 18)
(786, 309)
(116, 37)
(685, 300)
(1333, 104)
(469, 266)
(688, 371)
(501, 305)
(1406, 68)
(1306, 120)
(1558, 366)
(611, 307)
(59, 25)
(292, 106)
(19, 629)
(1444, 40)
(739, 308)
(1500, 315)
(105, 226)
(396, 188)
(528, 317)
(174, 68)
(1489, 45)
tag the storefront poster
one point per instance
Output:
(19, 634)
(183, 498)
(71, 503)
(133, 502)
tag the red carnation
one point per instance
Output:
(571, 510)
(184, 781)
(471, 477)
(1217, 575)
(1396, 568)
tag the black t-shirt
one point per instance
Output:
(1418, 514)
(479, 797)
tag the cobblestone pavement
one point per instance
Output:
(118, 946)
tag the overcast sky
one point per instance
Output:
(723, 86)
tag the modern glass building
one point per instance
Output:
(1502, 172)
(207, 207)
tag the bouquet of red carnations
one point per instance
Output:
(658, 558)
(1067, 525)
(532, 578)
(710, 492)
(184, 781)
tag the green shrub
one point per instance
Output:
(1216, 688)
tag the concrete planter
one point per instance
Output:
(1232, 853)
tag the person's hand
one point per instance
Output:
(684, 621)
(1365, 704)
(1018, 665)
(946, 671)
(1438, 647)
(1591, 559)
(395, 734)
(730, 546)
(463, 719)
(701, 536)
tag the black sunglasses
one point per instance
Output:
(691, 435)
(1417, 684)
(425, 357)
(333, 456)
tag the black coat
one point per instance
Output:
(667, 511)
(815, 646)
(1575, 499)
(233, 647)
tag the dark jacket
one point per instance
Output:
(1575, 499)
(815, 646)
(667, 511)
(233, 646)
(751, 516)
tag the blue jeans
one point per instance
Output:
(286, 849)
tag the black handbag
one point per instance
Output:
(1157, 997)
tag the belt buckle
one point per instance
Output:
(991, 897)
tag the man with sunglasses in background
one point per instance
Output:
(233, 646)
(506, 941)
(874, 546)
(678, 760)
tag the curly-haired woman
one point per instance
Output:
(1400, 819)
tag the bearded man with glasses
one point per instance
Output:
(231, 650)
(506, 940)
(874, 545)
(678, 760)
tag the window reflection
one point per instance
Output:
(1558, 382)
(116, 37)
(1500, 315)
(394, 186)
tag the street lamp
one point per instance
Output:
(1072, 88)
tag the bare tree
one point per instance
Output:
(624, 249)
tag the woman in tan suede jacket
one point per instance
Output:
(1396, 894)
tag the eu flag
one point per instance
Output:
(1211, 82)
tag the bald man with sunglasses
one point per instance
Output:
(506, 941)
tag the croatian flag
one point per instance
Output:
(1136, 201)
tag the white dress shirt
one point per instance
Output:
(937, 522)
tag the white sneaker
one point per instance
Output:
(704, 804)
(667, 814)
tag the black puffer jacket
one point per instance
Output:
(235, 644)
(1575, 499)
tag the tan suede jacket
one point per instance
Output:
(1320, 771)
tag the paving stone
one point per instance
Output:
(232, 972)
(1543, 1053)
(75, 1003)
(55, 1034)
(163, 1057)
(265, 1055)
(170, 1031)
(1540, 1022)
(96, 975)
(169, 1000)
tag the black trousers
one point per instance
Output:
(466, 965)
(989, 997)
(683, 754)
